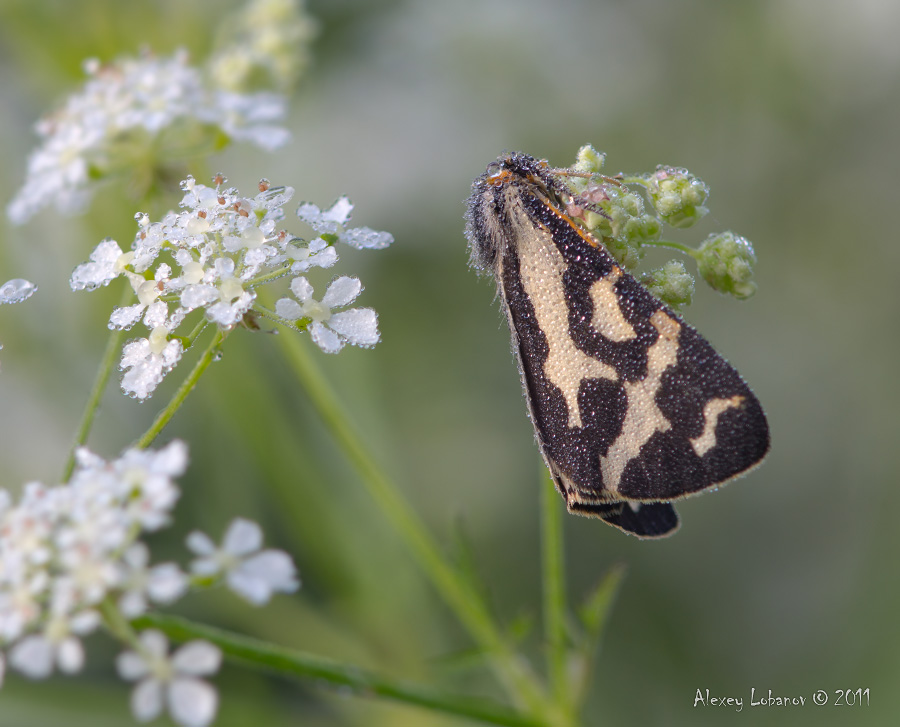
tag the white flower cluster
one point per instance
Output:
(124, 109)
(67, 550)
(211, 256)
(266, 41)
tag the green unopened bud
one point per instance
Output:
(726, 262)
(677, 195)
(671, 283)
(589, 160)
(639, 230)
(628, 256)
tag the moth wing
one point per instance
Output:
(630, 404)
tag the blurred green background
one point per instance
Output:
(786, 581)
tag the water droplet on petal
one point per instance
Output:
(16, 290)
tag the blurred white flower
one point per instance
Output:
(58, 644)
(163, 583)
(64, 549)
(330, 330)
(249, 571)
(171, 682)
(268, 38)
(127, 110)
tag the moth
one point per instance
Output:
(632, 408)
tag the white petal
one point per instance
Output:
(358, 325)
(301, 288)
(147, 700)
(134, 353)
(172, 459)
(143, 377)
(155, 642)
(250, 587)
(275, 567)
(325, 338)
(101, 270)
(339, 212)
(33, 656)
(289, 309)
(132, 604)
(192, 702)
(200, 543)
(131, 666)
(137, 556)
(342, 291)
(156, 314)
(196, 296)
(166, 583)
(124, 318)
(365, 238)
(206, 566)
(224, 267)
(16, 290)
(84, 622)
(197, 658)
(326, 258)
(259, 576)
(228, 314)
(310, 214)
(70, 655)
(242, 537)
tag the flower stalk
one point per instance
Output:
(294, 663)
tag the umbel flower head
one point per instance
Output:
(266, 43)
(64, 549)
(131, 110)
(73, 552)
(212, 256)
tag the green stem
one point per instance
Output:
(117, 624)
(187, 386)
(289, 662)
(462, 598)
(103, 373)
(673, 245)
(554, 586)
(266, 277)
(275, 318)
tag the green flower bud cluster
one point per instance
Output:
(671, 283)
(613, 209)
(677, 196)
(610, 210)
(625, 228)
(726, 262)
